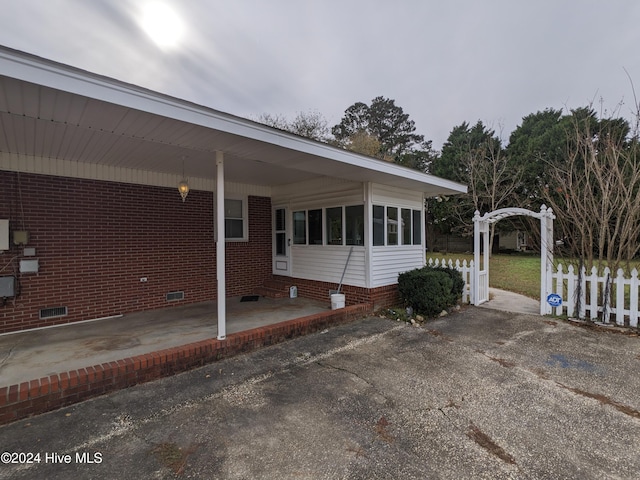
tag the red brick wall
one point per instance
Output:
(252, 259)
(95, 240)
(379, 297)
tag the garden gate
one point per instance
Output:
(481, 271)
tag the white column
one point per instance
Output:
(550, 246)
(485, 257)
(368, 233)
(220, 248)
(550, 242)
(543, 260)
(476, 258)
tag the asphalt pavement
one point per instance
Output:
(477, 394)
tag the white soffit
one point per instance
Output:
(52, 110)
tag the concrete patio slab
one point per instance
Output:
(39, 353)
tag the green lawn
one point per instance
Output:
(516, 273)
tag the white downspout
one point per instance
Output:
(220, 248)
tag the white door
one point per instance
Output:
(281, 242)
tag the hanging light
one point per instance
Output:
(183, 186)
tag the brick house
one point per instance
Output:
(92, 224)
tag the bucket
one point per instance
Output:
(337, 301)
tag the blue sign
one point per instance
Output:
(554, 300)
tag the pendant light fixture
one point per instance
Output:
(183, 186)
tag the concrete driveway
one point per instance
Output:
(478, 394)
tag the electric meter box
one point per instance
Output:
(7, 287)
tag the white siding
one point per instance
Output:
(319, 192)
(326, 263)
(386, 195)
(390, 261)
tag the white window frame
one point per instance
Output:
(398, 227)
(245, 218)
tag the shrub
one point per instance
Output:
(456, 278)
(430, 290)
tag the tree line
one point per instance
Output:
(583, 165)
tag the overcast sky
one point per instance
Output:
(443, 61)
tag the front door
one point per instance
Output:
(281, 243)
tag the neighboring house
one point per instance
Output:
(89, 168)
(514, 241)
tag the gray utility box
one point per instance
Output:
(7, 287)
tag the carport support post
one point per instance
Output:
(220, 248)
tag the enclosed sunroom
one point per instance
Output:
(92, 224)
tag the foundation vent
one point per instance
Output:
(173, 296)
(53, 312)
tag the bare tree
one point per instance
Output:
(491, 181)
(311, 124)
(595, 196)
(274, 120)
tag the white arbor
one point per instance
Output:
(481, 272)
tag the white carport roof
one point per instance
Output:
(51, 110)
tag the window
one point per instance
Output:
(281, 233)
(315, 227)
(235, 219)
(300, 228)
(417, 227)
(354, 217)
(378, 225)
(334, 226)
(406, 226)
(392, 226)
(403, 226)
(318, 226)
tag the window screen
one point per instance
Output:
(334, 226)
(354, 219)
(378, 225)
(233, 220)
(406, 226)
(417, 227)
(392, 226)
(300, 228)
(315, 227)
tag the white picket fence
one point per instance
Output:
(620, 293)
(465, 269)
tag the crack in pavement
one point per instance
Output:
(486, 442)
(604, 400)
(342, 369)
(4, 360)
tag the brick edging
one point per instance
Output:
(59, 390)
